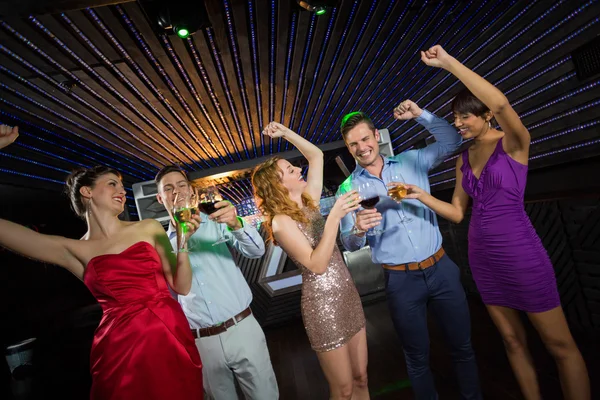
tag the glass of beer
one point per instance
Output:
(398, 191)
(185, 207)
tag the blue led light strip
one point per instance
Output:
(79, 82)
(300, 83)
(238, 72)
(256, 72)
(272, 64)
(374, 88)
(73, 95)
(143, 77)
(545, 33)
(550, 49)
(330, 70)
(381, 112)
(418, 69)
(87, 149)
(84, 86)
(190, 86)
(41, 178)
(63, 117)
(532, 127)
(62, 103)
(350, 56)
(376, 57)
(288, 67)
(7, 155)
(195, 55)
(322, 52)
(216, 55)
(329, 125)
(552, 152)
(160, 70)
(497, 32)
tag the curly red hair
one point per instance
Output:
(272, 198)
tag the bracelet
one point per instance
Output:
(241, 223)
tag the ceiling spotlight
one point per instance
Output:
(180, 17)
(310, 6)
(181, 31)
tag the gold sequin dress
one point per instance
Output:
(331, 308)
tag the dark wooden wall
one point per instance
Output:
(570, 232)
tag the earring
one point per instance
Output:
(490, 124)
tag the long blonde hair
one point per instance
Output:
(273, 198)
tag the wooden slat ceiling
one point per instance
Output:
(98, 86)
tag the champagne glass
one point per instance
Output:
(355, 229)
(209, 196)
(398, 192)
(370, 197)
(185, 207)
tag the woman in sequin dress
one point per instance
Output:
(331, 307)
(510, 266)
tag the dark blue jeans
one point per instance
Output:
(409, 294)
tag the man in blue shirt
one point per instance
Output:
(231, 343)
(417, 272)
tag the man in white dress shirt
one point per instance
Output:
(231, 343)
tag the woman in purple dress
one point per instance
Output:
(510, 266)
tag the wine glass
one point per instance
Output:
(209, 196)
(369, 199)
(185, 207)
(355, 229)
(398, 192)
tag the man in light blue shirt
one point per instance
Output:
(417, 272)
(231, 343)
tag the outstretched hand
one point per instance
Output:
(436, 56)
(8, 134)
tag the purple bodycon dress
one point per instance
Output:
(510, 266)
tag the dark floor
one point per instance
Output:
(62, 362)
(300, 377)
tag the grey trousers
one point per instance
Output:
(241, 354)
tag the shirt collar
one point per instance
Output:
(358, 171)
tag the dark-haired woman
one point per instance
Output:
(510, 266)
(143, 347)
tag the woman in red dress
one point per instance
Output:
(143, 347)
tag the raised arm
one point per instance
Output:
(177, 268)
(46, 248)
(313, 154)
(55, 250)
(447, 139)
(295, 244)
(517, 136)
(453, 212)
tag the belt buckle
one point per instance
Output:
(419, 265)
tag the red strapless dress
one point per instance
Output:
(143, 347)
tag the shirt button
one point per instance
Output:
(201, 283)
(209, 302)
(409, 231)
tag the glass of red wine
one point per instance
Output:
(370, 197)
(209, 196)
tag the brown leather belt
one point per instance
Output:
(426, 263)
(222, 327)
